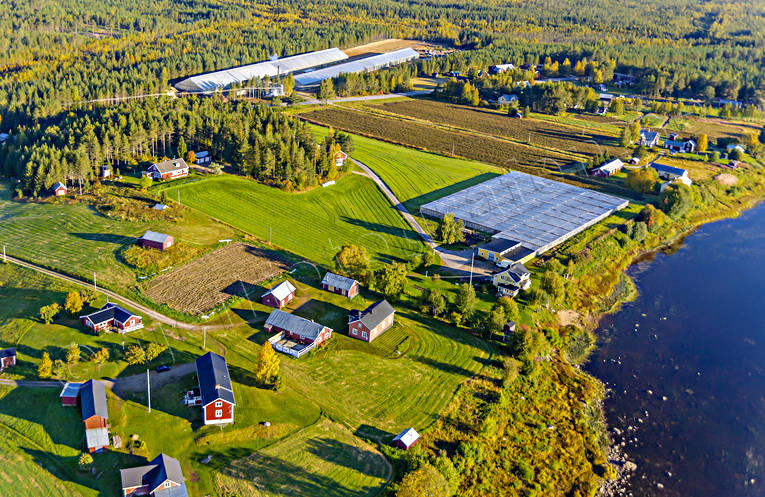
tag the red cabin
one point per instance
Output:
(7, 358)
(215, 389)
(159, 241)
(280, 295)
(340, 285)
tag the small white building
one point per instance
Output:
(507, 99)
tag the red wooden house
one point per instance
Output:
(296, 328)
(159, 241)
(340, 158)
(59, 189)
(95, 415)
(7, 358)
(111, 316)
(162, 477)
(340, 285)
(280, 295)
(169, 169)
(215, 389)
(371, 322)
(406, 439)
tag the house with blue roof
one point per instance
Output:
(216, 394)
(162, 477)
(112, 316)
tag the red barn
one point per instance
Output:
(7, 358)
(406, 439)
(215, 389)
(371, 322)
(280, 295)
(95, 415)
(112, 316)
(340, 285)
(159, 241)
(169, 169)
(59, 189)
(295, 335)
(69, 394)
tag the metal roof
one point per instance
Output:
(154, 474)
(171, 165)
(153, 236)
(294, 324)
(214, 380)
(281, 291)
(668, 169)
(110, 310)
(612, 167)
(337, 281)
(70, 390)
(407, 437)
(499, 245)
(360, 65)
(93, 400)
(97, 437)
(260, 70)
(375, 314)
(58, 185)
(539, 213)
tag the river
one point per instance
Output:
(685, 365)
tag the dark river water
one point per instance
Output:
(685, 363)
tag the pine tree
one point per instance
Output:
(182, 148)
(267, 369)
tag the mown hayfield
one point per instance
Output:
(714, 128)
(210, 280)
(324, 459)
(314, 224)
(534, 132)
(76, 239)
(454, 143)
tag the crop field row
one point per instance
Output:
(714, 128)
(424, 137)
(314, 224)
(226, 272)
(534, 132)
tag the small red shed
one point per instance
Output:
(59, 189)
(7, 358)
(159, 241)
(406, 439)
(69, 394)
(280, 295)
(340, 285)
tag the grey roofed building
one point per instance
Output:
(170, 165)
(93, 399)
(153, 236)
(214, 380)
(161, 469)
(536, 212)
(294, 324)
(338, 281)
(373, 315)
(648, 138)
(224, 78)
(366, 64)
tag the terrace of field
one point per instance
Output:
(314, 224)
(544, 134)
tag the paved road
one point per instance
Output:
(459, 261)
(366, 98)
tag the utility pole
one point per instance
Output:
(148, 388)
(270, 232)
(204, 338)
(4, 259)
(179, 196)
(95, 288)
(472, 258)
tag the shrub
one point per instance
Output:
(85, 462)
(48, 312)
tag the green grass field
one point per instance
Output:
(76, 239)
(314, 224)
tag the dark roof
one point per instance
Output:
(93, 399)
(154, 474)
(170, 165)
(294, 324)
(58, 185)
(649, 135)
(668, 169)
(153, 236)
(337, 281)
(500, 245)
(108, 311)
(214, 380)
(375, 314)
(8, 352)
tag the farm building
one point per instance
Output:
(203, 157)
(69, 394)
(59, 189)
(687, 146)
(340, 285)
(159, 241)
(371, 322)
(216, 395)
(217, 80)
(162, 477)
(295, 335)
(406, 439)
(500, 249)
(608, 169)
(534, 212)
(671, 173)
(498, 68)
(95, 415)
(106, 171)
(7, 358)
(366, 64)
(516, 276)
(340, 158)
(113, 316)
(506, 99)
(280, 295)
(648, 138)
(507, 331)
(169, 169)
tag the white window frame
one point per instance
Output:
(168, 484)
(219, 413)
(364, 334)
(219, 404)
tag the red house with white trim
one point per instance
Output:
(59, 189)
(168, 170)
(215, 389)
(110, 316)
(7, 358)
(280, 295)
(406, 439)
(371, 322)
(340, 285)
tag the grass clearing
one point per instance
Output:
(314, 224)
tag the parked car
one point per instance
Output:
(163, 368)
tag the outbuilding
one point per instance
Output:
(159, 241)
(7, 358)
(280, 295)
(507, 330)
(203, 157)
(59, 189)
(340, 285)
(608, 169)
(69, 394)
(296, 328)
(406, 439)
(95, 415)
(371, 322)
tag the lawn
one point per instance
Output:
(314, 224)
(76, 239)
